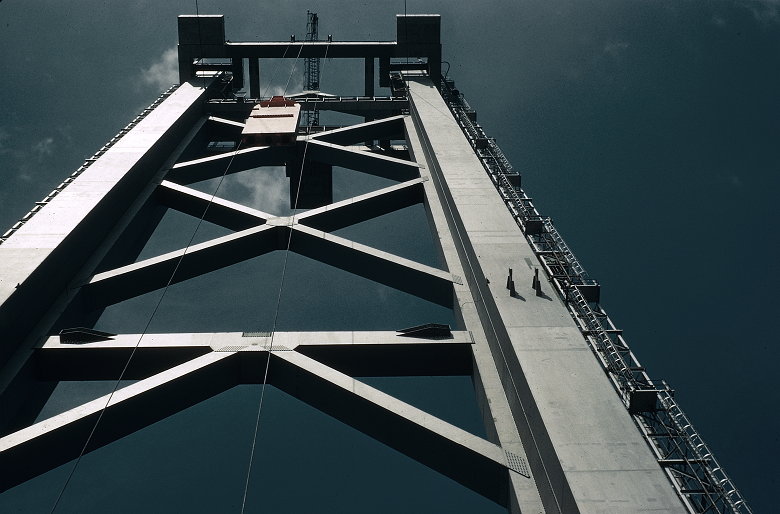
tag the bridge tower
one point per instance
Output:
(571, 421)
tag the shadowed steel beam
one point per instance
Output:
(408, 276)
(57, 440)
(469, 460)
(328, 218)
(142, 277)
(104, 360)
(365, 162)
(387, 128)
(303, 50)
(364, 207)
(398, 358)
(377, 107)
(133, 280)
(366, 353)
(215, 166)
(321, 49)
(218, 211)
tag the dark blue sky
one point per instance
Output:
(647, 130)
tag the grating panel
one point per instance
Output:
(517, 464)
(264, 348)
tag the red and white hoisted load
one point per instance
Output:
(272, 122)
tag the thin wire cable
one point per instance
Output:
(143, 333)
(279, 297)
(170, 280)
(200, 42)
(293, 69)
(406, 33)
(130, 358)
(277, 69)
(165, 290)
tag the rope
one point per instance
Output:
(146, 327)
(279, 297)
(165, 290)
(277, 69)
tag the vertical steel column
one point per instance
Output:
(369, 89)
(254, 77)
(238, 73)
(369, 78)
(39, 262)
(568, 416)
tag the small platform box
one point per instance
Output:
(272, 122)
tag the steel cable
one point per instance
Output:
(146, 327)
(143, 333)
(281, 286)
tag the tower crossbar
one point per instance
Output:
(557, 386)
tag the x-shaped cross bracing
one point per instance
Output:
(324, 147)
(310, 237)
(177, 371)
(307, 233)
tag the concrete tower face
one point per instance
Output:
(104, 284)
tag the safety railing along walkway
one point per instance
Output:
(698, 478)
(87, 163)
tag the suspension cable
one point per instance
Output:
(146, 327)
(281, 285)
(148, 323)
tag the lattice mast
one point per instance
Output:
(311, 68)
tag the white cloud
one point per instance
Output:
(268, 188)
(615, 48)
(43, 147)
(764, 11)
(287, 79)
(165, 71)
(718, 20)
(295, 86)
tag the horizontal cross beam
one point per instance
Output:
(308, 49)
(376, 107)
(364, 353)
(467, 459)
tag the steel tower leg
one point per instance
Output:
(559, 438)
(564, 408)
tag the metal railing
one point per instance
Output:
(87, 163)
(693, 471)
